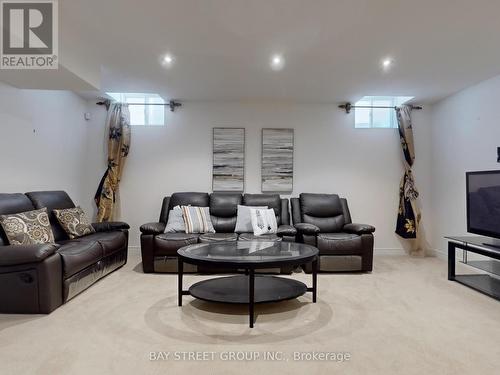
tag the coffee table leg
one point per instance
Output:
(251, 295)
(315, 278)
(180, 271)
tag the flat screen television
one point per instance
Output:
(483, 203)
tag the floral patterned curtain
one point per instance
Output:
(409, 216)
(118, 125)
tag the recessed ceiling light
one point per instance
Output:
(167, 60)
(387, 63)
(277, 62)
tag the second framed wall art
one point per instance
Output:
(277, 160)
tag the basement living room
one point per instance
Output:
(233, 187)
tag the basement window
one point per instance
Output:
(380, 118)
(145, 109)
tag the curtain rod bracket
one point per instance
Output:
(173, 105)
(347, 107)
(105, 102)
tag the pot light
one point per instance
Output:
(167, 60)
(387, 63)
(277, 62)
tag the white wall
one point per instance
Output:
(363, 165)
(465, 136)
(46, 144)
(42, 141)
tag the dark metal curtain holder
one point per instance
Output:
(173, 104)
(348, 106)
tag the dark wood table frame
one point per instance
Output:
(250, 271)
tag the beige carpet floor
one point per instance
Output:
(404, 318)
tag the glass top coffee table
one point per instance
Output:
(249, 256)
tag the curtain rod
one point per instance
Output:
(348, 106)
(173, 104)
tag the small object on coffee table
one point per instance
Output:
(249, 288)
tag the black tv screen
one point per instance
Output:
(483, 203)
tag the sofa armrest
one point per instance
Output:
(22, 254)
(108, 226)
(306, 228)
(286, 230)
(153, 228)
(359, 228)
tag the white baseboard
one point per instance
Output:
(379, 250)
(438, 253)
(430, 252)
(134, 249)
(388, 251)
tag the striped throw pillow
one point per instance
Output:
(197, 219)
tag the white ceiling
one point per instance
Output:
(332, 48)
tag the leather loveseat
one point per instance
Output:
(40, 278)
(159, 249)
(324, 221)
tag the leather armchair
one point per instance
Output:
(324, 221)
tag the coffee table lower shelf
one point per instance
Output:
(234, 289)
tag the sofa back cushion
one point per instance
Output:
(224, 210)
(52, 200)
(182, 199)
(13, 204)
(188, 199)
(323, 210)
(273, 201)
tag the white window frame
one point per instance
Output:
(368, 101)
(126, 97)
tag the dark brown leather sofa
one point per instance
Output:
(40, 278)
(159, 249)
(324, 221)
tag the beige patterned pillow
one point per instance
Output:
(27, 228)
(74, 222)
(197, 219)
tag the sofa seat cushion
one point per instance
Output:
(218, 237)
(77, 256)
(169, 243)
(111, 242)
(339, 243)
(253, 237)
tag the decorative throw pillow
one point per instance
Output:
(175, 223)
(74, 222)
(197, 219)
(27, 228)
(243, 220)
(263, 221)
